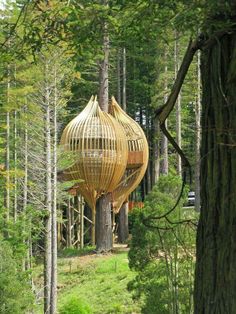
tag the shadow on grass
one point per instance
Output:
(73, 252)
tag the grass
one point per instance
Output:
(98, 280)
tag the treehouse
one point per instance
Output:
(99, 146)
(137, 155)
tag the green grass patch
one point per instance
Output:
(92, 283)
(101, 283)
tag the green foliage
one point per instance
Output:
(15, 293)
(163, 254)
(75, 306)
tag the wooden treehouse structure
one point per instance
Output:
(110, 155)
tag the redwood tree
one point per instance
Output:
(103, 210)
(216, 238)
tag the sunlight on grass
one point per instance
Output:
(100, 281)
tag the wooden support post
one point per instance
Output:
(72, 216)
(93, 240)
(59, 229)
(81, 222)
(113, 226)
(68, 234)
(77, 221)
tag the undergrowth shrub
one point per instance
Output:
(162, 250)
(74, 305)
(15, 291)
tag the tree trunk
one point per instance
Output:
(48, 203)
(15, 168)
(53, 296)
(123, 230)
(118, 78)
(81, 213)
(25, 187)
(198, 138)
(155, 153)
(103, 221)
(164, 164)
(178, 109)
(68, 224)
(103, 225)
(124, 81)
(7, 160)
(215, 276)
(28, 242)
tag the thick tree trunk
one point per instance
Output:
(198, 138)
(215, 289)
(103, 225)
(123, 230)
(103, 221)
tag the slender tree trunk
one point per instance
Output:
(103, 211)
(215, 275)
(155, 153)
(7, 161)
(178, 108)
(28, 242)
(124, 80)
(68, 217)
(164, 164)
(15, 168)
(143, 182)
(81, 213)
(118, 78)
(198, 137)
(148, 172)
(123, 230)
(25, 188)
(53, 308)
(48, 201)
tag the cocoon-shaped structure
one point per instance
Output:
(137, 155)
(100, 147)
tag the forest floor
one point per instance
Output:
(96, 279)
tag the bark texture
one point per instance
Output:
(123, 231)
(103, 225)
(215, 280)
